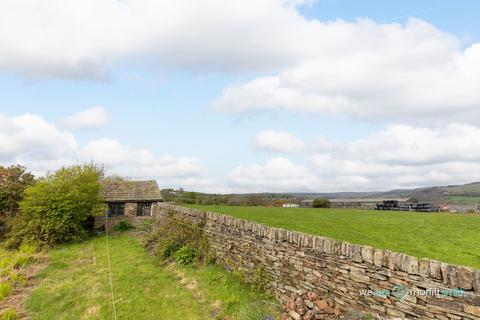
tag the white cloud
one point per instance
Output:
(278, 141)
(400, 156)
(82, 39)
(361, 69)
(140, 163)
(31, 136)
(42, 146)
(411, 73)
(90, 118)
(277, 174)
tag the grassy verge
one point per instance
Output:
(13, 266)
(227, 297)
(76, 285)
(452, 238)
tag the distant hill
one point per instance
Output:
(467, 194)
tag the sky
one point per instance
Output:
(245, 96)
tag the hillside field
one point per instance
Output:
(452, 238)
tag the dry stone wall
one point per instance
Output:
(383, 282)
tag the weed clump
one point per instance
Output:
(186, 255)
(173, 235)
(9, 314)
(123, 225)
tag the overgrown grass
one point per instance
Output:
(9, 314)
(12, 268)
(453, 238)
(234, 300)
(76, 285)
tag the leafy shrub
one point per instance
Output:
(259, 280)
(241, 275)
(57, 207)
(9, 314)
(166, 248)
(171, 234)
(123, 225)
(147, 225)
(186, 255)
(321, 203)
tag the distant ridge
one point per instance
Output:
(455, 194)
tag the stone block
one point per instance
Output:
(410, 265)
(424, 267)
(452, 276)
(377, 257)
(367, 254)
(356, 253)
(435, 269)
(444, 270)
(388, 259)
(476, 281)
(465, 277)
(475, 310)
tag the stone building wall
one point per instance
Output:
(343, 272)
(130, 209)
(130, 216)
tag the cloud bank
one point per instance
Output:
(87, 119)
(400, 156)
(43, 146)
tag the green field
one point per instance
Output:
(76, 286)
(464, 200)
(453, 238)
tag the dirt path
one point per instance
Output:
(17, 299)
(214, 307)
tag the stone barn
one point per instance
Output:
(133, 201)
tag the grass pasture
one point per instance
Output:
(452, 238)
(76, 286)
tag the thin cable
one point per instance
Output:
(110, 269)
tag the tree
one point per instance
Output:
(321, 203)
(57, 207)
(13, 181)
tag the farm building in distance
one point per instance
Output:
(128, 200)
(290, 205)
(308, 203)
(369, 204)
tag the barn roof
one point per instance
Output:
(125, 190)
(373, 200)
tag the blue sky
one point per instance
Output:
(199, 115)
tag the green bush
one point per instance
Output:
(171, 234)
(259, 280)
(186, 255)
(57, 208)
(147, 225)
(123, 225)
(321, 203)
(166, 248)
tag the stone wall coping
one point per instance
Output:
(455, 276)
